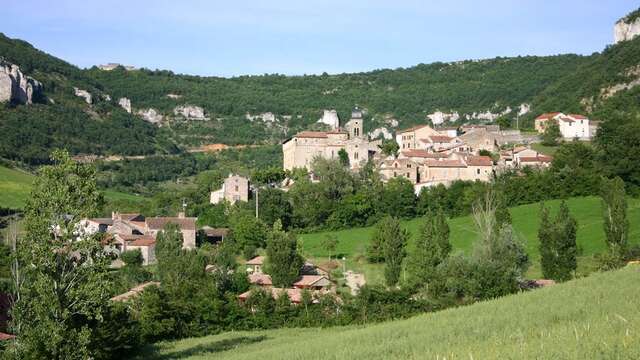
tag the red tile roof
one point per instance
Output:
(445, 163)
(5, 336)
(539, 158)
(312, 134)
(440, 138)
(566, 119)
(295, 295)
(412, 129)
(258, 260)
(145, 241)
(578, 116)
(479, 161)
(422, 154)
(547, 116)
(309, 280)
(260, 279)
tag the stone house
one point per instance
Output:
(522, 156)
(410, 138)
(479, 138)
(400, 167)
(234, 188)
(254, 265)
(300, 150)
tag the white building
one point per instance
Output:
(571, 126)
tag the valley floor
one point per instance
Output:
(591, 318)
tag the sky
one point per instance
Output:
(294, 37)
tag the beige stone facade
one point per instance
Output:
(234, 188)
(300, 150)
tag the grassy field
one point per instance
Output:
(590, 237)
(546, 150)
(591, 318)
(15, 187)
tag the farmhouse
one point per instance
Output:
(519, 157)
(234, 188)
(300, 150)
(254, 265)
(572, 126)
(124, 232)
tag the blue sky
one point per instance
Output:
(237, 37)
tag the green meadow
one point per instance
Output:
(352, 243)
(590, 318)
(15, 187)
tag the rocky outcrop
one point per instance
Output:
(626, 28)
(330, 117)
(151, 115)
(83, 94)
(386, 134)
(265, 117)
(190, 112)
(125, 103)
(524, 109)
(15, 86)
(439, 117)
(633, 74)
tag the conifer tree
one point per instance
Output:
(394, 243)
(565, 244)
(614, 209)
(432, 248)
(283, 260)
(545, 238)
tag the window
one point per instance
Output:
(355, 156)
(395, 174)
(395, 165)
(408, 166)
(237, 188)
(408, 175)
(478, 171)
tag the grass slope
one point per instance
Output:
(526, 218)
(15, 187)
(591, 318)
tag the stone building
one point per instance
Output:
(300, 150)
(235, 188)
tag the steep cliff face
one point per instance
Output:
(627, 28)
(15, 86)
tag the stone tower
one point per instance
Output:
(354, 126)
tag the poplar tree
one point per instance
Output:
(394, 243)
(565, 244)
(283, 260)
(614, 212)
(545, 238)
(432, 248)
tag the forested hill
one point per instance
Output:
(59, 119)
(600, 85)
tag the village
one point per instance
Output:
(427, 156)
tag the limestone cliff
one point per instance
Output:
(83, 94)
(627, 28)
(151, 115)
(15, 86)
(190, 112)
(330, 117)
(125, 103)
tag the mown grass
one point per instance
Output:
(352, 243)
(15, 187)
(591, 318)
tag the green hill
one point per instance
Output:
(591, 318)
(586, 210)
(15, 187)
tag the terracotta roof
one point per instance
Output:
(144, 241)
(131, 216)
(312, 134)
(546, 116)
(445, 163)
(518, 149)
(260, 279)
(412, 129)
(5, 336)
(134, 291)
(295, 295)
(422, 154)
(566, 119)
(158, 223)
(309, 280)
(447, 128)
(539, 158)
(440, 138)
(258, 260)
(578, 116)
(479, 161)
(337, 132)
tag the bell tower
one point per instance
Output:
(354, 126)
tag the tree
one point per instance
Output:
(394, 241)
(390, 147)
(614, 212)
(274, 205)
(503, 217)
(558, 248)
(132, 257)
(248, 232)
(283, 260)
(432, 248)
(551, 134)
(343, 156)
(329, 243)
(398, 198)
(61, 277)
(546, 246)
